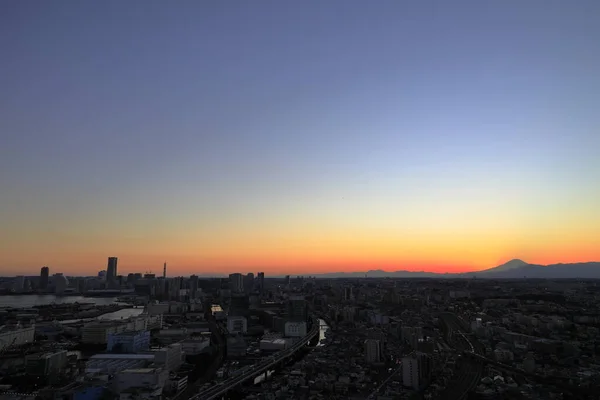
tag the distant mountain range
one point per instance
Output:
(514, 269)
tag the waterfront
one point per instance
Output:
(27, 301)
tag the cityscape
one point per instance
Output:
(299, 200)
(252, 336)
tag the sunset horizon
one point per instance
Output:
(126, 267)
(298, 138)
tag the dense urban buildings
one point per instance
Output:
(349, 338)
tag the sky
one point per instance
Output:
(298, 137)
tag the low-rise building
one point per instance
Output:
(128, 342)
(295, 329)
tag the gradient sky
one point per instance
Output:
(298, 136)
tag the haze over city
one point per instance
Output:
(298, 137)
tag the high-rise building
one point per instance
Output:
(193, 286)
(261, 282)
(297, 309)
(44, 277)
(165, 270)
(111, 270)
(236, 283)
(416, 369)
(372, 351)
(249, 283)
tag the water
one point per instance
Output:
(28, 301)
(323, 327)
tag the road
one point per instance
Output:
(223, 387)
(469, 373)
(219, 332)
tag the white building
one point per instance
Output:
(236, 324)
(295, 329)
(372, 351)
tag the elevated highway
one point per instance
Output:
(270, 363)
(468, 374)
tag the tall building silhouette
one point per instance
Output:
(44, 277)
(236, 283)
(248, 282)
(165, 270)
(111, 270)
(261, 281)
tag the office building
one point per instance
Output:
(169, 357)
(416, 369)
(261, 282)
(150, 380)
(46, 364)
(297, 309)
(193, 286)
(237, 324)
(295, 329)
(44, 278)
(61, 283)
(111, 270)
(236, 283)
(249, 283)
(372, 351)
(128, 341)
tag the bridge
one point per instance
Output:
(223, 387)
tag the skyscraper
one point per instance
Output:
(249, 283)
(44, 274)
(261, 281)
(372, 351)
(193, 286)
(165, 270)
(236, 283)
(111, 270)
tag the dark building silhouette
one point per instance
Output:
(44, 277)
(261, 282)
(297, 309)
(249, 283)
(111, 270)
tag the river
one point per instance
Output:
(30, 300)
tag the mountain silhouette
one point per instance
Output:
(514, 269)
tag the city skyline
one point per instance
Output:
(298, 138)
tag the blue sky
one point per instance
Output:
(150, 116)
